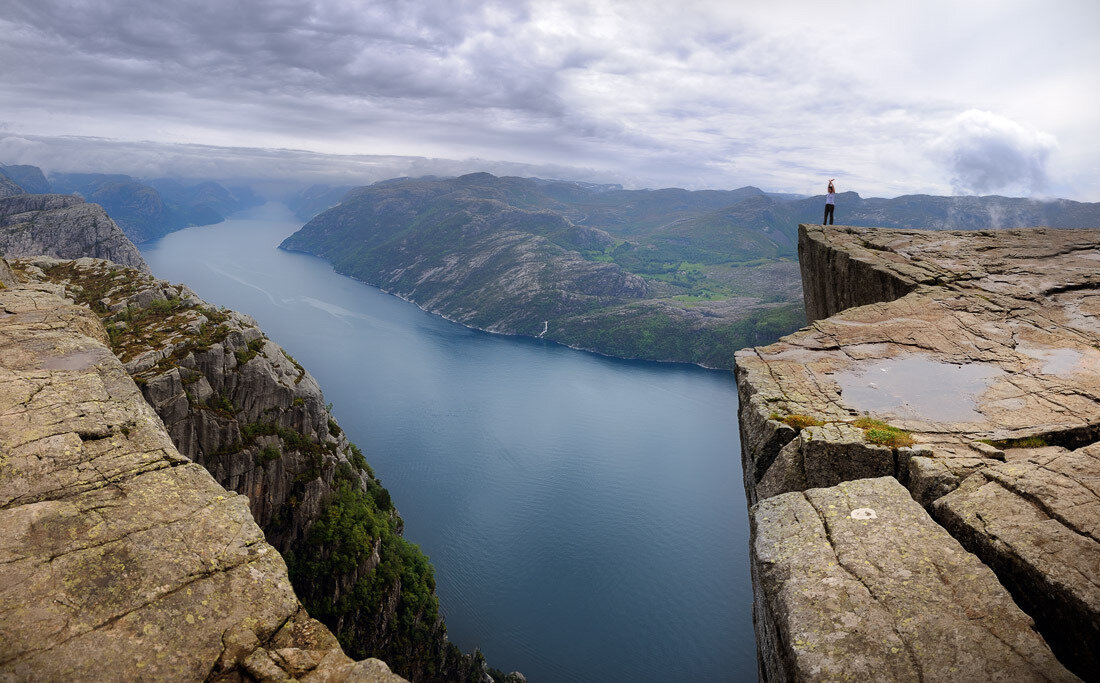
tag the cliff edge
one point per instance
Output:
(62, 226)
(121, 558)
(237, 404)
(922, 461)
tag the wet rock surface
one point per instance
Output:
(121, 558)
(977, 356)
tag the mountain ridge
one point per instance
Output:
(488, 252)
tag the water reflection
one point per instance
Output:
(917, 387)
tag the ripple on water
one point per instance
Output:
(917, 387)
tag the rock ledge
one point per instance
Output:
(978, 356)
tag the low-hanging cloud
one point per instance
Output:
(986, 153)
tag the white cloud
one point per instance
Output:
(987, 153)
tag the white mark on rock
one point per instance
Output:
(863, 513)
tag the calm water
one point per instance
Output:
(585, 515)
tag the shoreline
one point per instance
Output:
(507, 334)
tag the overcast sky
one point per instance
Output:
(889, 98)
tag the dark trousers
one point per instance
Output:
(828, 219)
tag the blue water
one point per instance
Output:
(585, 515)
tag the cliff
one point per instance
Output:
(123, 559)
(240, 406)
(62, 226)
(924, 458)
(147, 211)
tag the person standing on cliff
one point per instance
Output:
(830, 204)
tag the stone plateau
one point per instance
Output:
(983, 348)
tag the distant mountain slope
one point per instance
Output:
(148, 211)
(524, 256)
(8, 187)
(924, 212)
(205, 202)
(314, 199)
(63, 226)
(30, 178)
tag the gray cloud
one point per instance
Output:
(989, 153)
(697, 94)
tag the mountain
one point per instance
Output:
(205, 202)
(637, 274)
(314, 199)
(148, 211)
(122, 558)
(63, 226)
(30, 178)
(8, 187)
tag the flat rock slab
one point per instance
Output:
(121, 558)
(858, 583)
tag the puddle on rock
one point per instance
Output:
(917, 387)
(1059, 362)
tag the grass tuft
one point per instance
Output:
(883, 434)
(798, 422)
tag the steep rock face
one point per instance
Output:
(122, 559)
(30, 178)
(148, 211)
(8, 187)
(236, 403)
(836, 279)
(978, 390)
(63, 226)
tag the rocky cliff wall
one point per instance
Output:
(239, 405)
(122, 559)
(62, 226)
(963, 370)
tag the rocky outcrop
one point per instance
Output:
(123, 559)
(63, 226)
(29, 178)
(8, 187)
(239, 405)
(965, 365)
(856, 582)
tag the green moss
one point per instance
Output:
(800, 422)
(297, 365)
(883, 434)
(268, 454)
